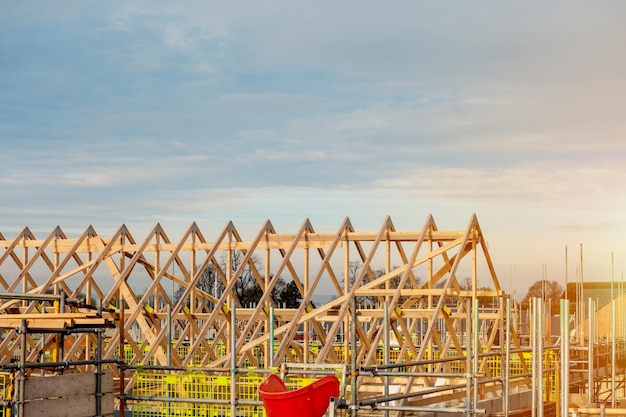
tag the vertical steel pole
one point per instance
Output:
(540, 367)
(578, 311)
(566, 362)
(21, 378)
(353, 356)
(564, 358)
(590, 353)
(620, 306)
(61, 336)
(468, 359)
(42, 356)
(233, 357)
(533, 343)
(613, 347)
(99, 372)
(271, 339)
(57, 342)
(386, 351)
(168, 321)
(305, 283)
(560, 409)
(507, 358)
(582, 300)
(122, 355)
(476, 350)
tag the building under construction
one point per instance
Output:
(416, 324)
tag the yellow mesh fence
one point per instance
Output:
(213, 390)
(219, 350)
(5, 389)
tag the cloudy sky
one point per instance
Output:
(141, 112)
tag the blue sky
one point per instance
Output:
(141, 112)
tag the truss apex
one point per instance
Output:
(387, 222)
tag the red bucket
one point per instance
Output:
(309, 401)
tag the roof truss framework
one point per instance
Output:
(418, 282)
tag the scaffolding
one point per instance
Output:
(417, 319)
(80, 395)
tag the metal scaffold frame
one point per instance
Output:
(416, 304)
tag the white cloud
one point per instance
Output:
(543, 184)
(176, 37)
(280, 110)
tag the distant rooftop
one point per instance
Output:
(600, 292)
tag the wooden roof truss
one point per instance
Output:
(419, 284)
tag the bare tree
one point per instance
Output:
(287, 295)
(355, 268)
(246, 288)
(209, 282)
(546, 290)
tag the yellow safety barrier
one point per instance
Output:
(195, 384)
(5, 390)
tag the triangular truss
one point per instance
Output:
(424, 278)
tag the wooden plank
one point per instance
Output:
(107, 382)
(108, 403)
(80, 406)
(34, 325)
(59, 386)
(10, 323)
(311, 240)
(65, 385)
(282, 239)
(53, 321)
(52, 316)
(96, 322)
(549, 410)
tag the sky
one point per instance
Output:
(138, 112)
